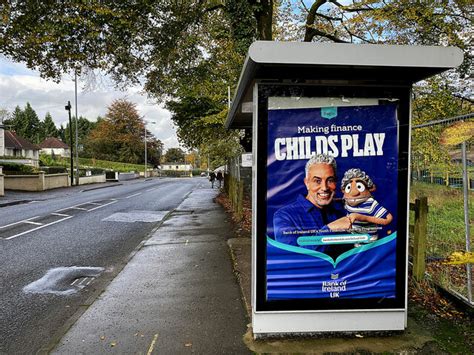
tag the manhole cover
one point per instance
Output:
(64, 280)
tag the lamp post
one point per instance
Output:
(77, 135)
(68, 108)
(146, 158)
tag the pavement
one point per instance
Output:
(176, 295)
(187, 289)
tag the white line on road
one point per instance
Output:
(152, 189)
(152, 345)
(95, 208)
(35, 223)
(60, 214)
(138, 193)
(78, 208)
(72, 284)
(35, 229)
(22, 221)
(72, 207)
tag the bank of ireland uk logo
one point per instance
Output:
(328, 112)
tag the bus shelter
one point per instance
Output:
(330, 130)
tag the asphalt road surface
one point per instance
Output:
(57, 255)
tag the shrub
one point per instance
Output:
(54, 169)
(18, 169)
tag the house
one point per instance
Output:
(177, 166)
(12, 145)
(56, 147)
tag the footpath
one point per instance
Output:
(177, 294)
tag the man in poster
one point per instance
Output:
(316, 213)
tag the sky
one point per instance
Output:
(19, 85)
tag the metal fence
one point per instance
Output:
(445, 175)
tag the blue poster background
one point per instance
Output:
(365, 271)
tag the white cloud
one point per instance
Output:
(19, 85)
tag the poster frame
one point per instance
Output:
(400, 94)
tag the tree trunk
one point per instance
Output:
(264, 16)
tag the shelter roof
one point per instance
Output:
(335, 63)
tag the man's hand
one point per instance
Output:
(340, 225)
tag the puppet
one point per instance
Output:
(365, 213)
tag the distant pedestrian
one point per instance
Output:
(212, 178)
(220, 178)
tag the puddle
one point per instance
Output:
(62, 280)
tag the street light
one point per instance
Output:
(68, 108)
(146, 158)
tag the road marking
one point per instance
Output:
(22, 221)
(100, 206)
(78, 208)
(72, 284)
(152, 189)
(139, 193)
(152, 345)
(35, 223)
(72, 207)
(35, 229)
(60, 214)
(136, 216)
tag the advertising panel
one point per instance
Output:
(331, 201)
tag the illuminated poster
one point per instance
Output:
(331, 202)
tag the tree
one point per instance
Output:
(434, 100)
(120, 135)
(62, 134)
(84, 127)
(48, 128)
(25, 123)
(4, 115)
(174, 155)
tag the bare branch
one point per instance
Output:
(311, 19)
(350, 9)
(312, 32)
(304, 5)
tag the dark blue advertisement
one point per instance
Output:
(332, 202)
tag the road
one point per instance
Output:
(83, 239)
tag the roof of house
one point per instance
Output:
(12, 140)
(53, 142)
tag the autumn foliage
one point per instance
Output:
(120, 136)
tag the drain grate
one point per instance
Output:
(82, 282)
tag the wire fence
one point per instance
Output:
(445, 175)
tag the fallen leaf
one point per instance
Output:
(102, 337)
(112, 344)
